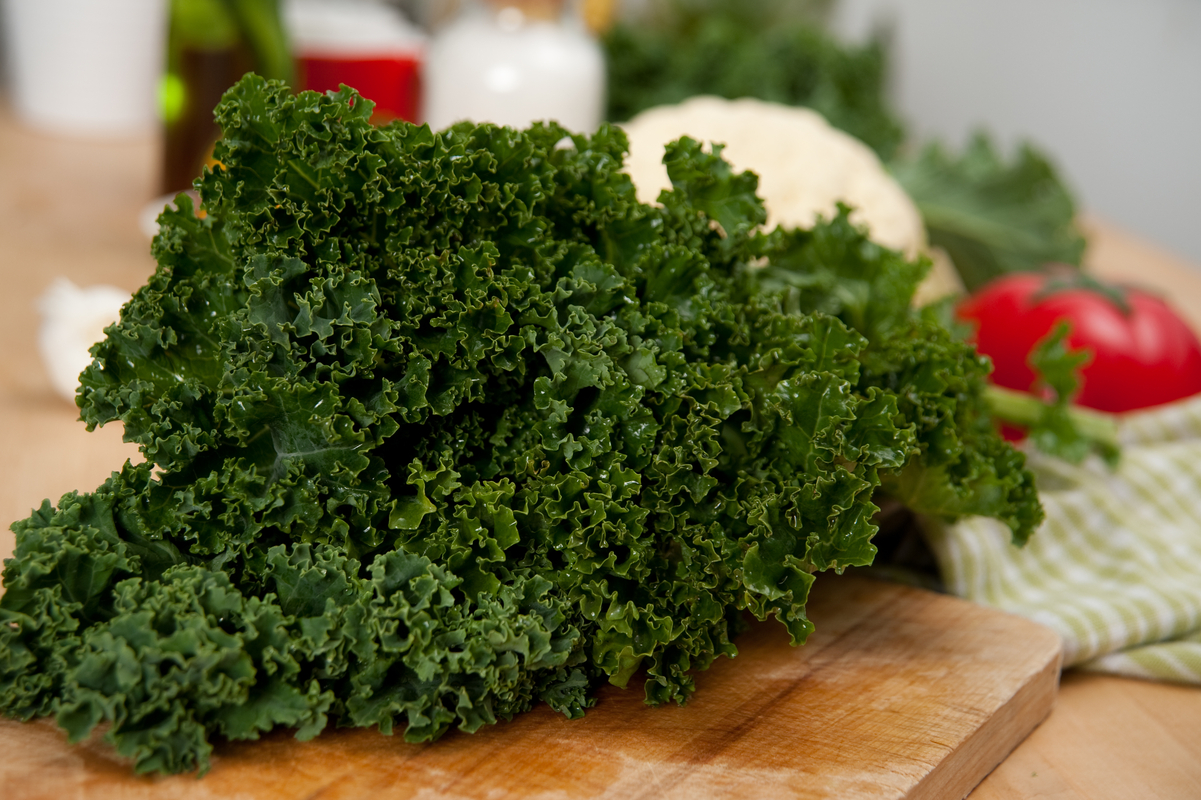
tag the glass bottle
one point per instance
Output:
(210, 45)
(513, 62)
(366, 44)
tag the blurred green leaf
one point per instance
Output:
(991, 216)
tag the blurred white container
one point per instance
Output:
(86, 67)
(514, 62)
(337, 27)
(74, 319)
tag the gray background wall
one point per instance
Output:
(1110, 88)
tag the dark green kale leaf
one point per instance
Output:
(937, 381)
(992, 217)
(440, 426)
(1058, 370)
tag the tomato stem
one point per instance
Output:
(1026, 410)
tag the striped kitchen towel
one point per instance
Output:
(1116, 566)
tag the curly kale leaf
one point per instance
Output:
(443, 425)
(936, 380)
(1059, 432)
(1052, 422)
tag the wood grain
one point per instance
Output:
(901, 693)
(1108, 738)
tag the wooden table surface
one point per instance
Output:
(70, 207)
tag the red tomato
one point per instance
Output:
(1143, 353)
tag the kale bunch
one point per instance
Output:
(439, 426)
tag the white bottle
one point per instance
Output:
(514, 62)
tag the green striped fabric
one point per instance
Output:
(1116, 567)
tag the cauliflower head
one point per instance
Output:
(805, 167)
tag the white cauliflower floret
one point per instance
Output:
(805, 167)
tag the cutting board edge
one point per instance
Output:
(978, 755)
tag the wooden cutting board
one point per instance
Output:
(900, 693)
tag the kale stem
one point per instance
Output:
(1026, 410)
